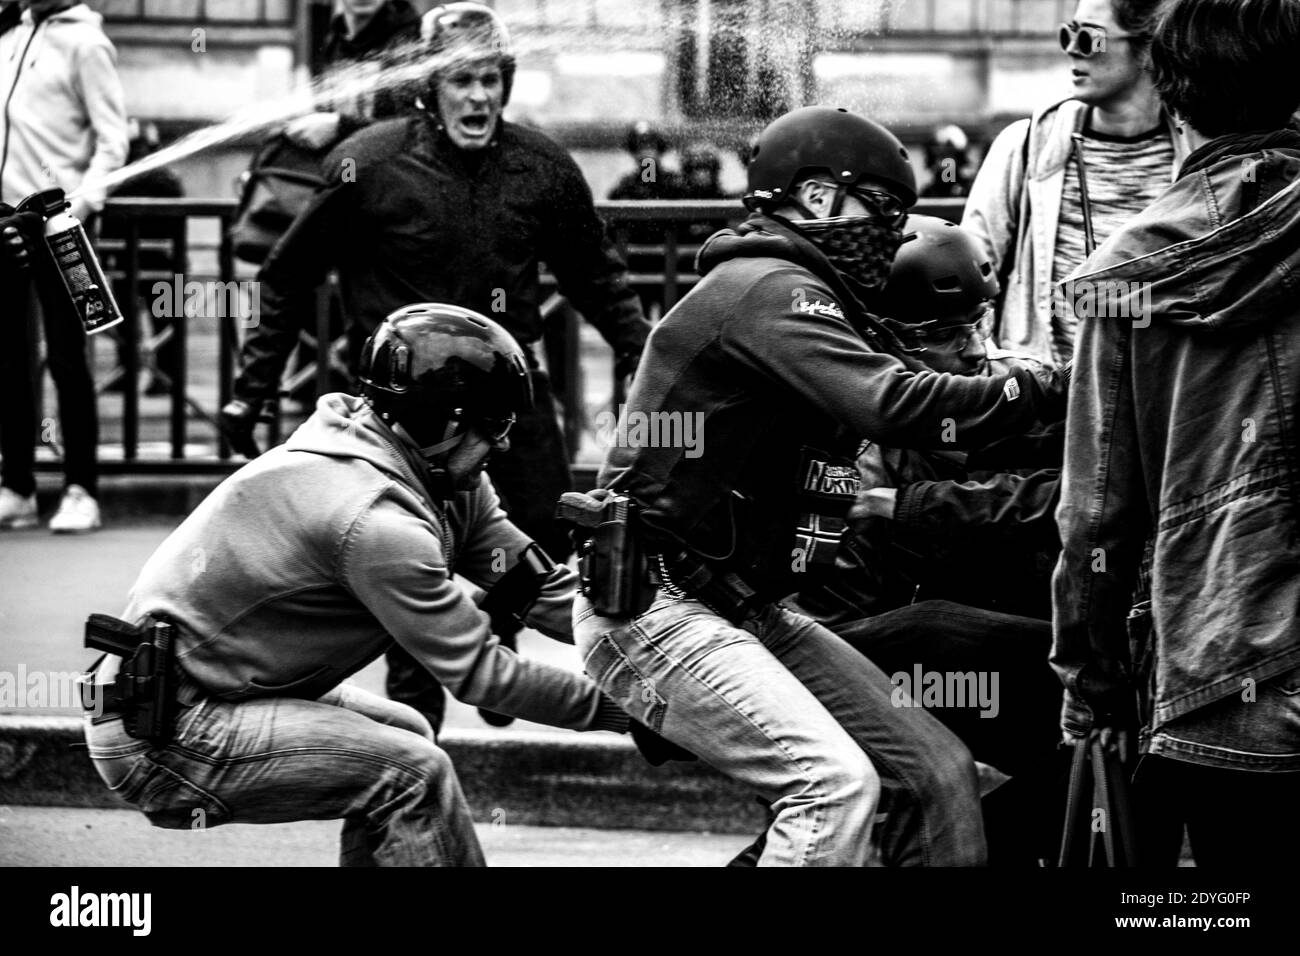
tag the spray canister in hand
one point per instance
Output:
(92, 297)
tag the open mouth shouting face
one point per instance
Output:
(470, 98)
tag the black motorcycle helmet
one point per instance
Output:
(471, 30)
(850, 148)
(941, 276)
(432, 370)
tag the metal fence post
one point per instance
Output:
(180, 335)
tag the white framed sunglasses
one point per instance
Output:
(1088, 41)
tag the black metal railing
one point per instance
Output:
(198, 379)
(126, 252)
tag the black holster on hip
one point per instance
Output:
(144, 693)
(620, 568)
(613, 566)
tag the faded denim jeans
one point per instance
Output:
(786, 707)
(351, 755)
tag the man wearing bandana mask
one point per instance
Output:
(771, 355)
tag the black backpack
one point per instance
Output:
(278, 185)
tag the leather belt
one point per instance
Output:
(723, 592)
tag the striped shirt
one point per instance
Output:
(1125, 173)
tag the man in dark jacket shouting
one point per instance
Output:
(770, 355)
(304, 565)
(452, 204)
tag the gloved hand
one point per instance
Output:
(1119, 742)
(872, 503)
(237, 420)
(874, 468)
(655, 749)
(17, 230)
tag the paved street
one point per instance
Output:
(48, 586)
(65, 836)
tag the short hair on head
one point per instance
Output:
(1137, 17)
(1228, 66)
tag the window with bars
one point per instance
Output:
(730, 60)
(270, 13)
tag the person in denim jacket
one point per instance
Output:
(1182, 464)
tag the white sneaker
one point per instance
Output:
(17, 511)
(77, 512)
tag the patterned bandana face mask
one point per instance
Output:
(860, 247)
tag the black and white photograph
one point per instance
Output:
(652, 434)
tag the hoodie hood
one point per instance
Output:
(758, 237)
(1180, 262)
(346, 426)
(78, 13)
(770, 237)
(64, 119)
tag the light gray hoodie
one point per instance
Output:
(300, 568)
(1014, 209)
(62, 112)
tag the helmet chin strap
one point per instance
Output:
(450, 436)
(429, 452)
(436, 477)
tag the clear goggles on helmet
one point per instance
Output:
(492, 427)
(1089, 41)
(883, 205)
(949, 336)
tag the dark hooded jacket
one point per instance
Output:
(1184, 436)
(769, 359)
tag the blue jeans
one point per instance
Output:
(351, 755)
(785, 706)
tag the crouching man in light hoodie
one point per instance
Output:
(306, 565)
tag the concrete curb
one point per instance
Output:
(152, 498)
(536, 779)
